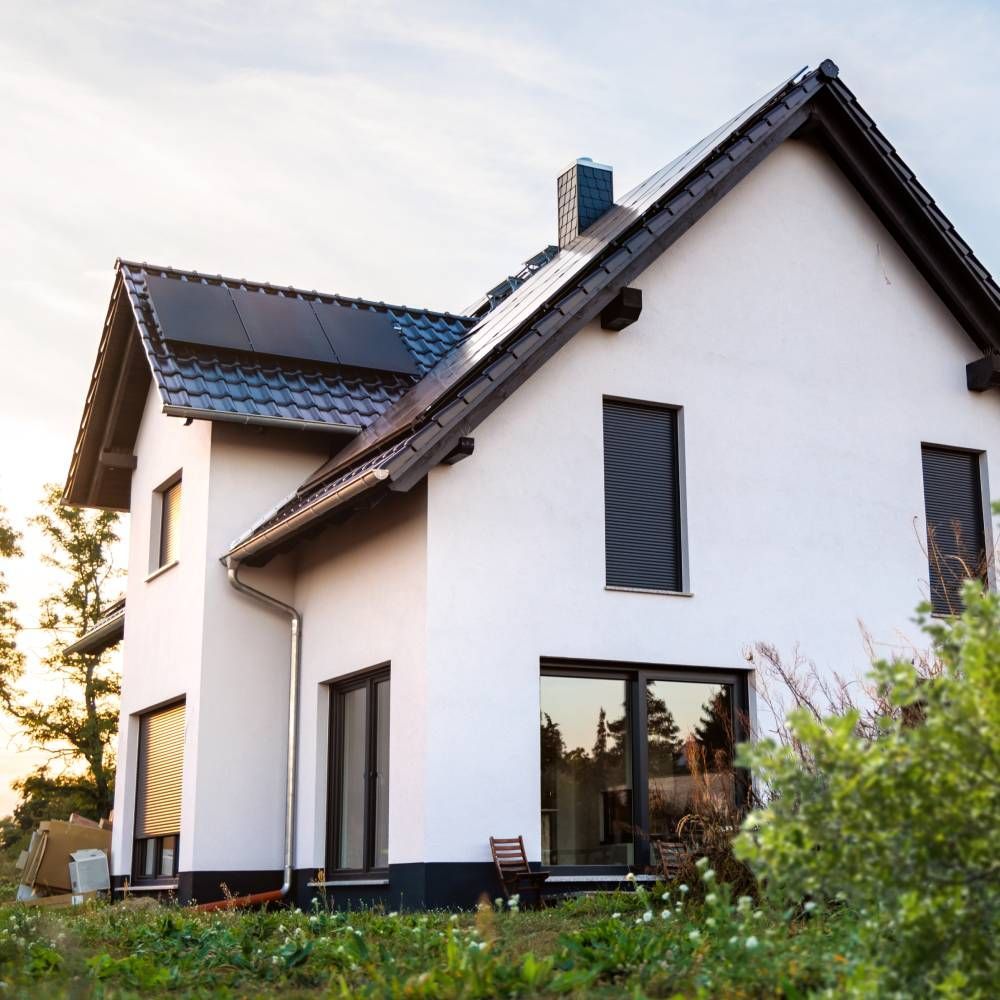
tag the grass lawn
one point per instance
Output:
(622, 944)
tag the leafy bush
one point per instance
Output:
(903, 830)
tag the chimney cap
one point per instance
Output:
(586, 161)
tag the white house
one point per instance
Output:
(728, 407)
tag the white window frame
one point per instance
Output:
(156, 567)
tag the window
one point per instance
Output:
(165, 548)
(956, 526)
(359, 774)
(627, 754)
(158, 793)
(642, 504)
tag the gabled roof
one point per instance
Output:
(216, 383)
(510, 342)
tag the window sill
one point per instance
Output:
(649, 590)
(349, 882)
(161, 570)
(148, 887)
(624, 877)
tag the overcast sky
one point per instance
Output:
(379, 151)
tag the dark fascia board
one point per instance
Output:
(623, 261)
(908, 212)
(820, 106)
(120, 375)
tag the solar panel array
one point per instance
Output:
(287, 326)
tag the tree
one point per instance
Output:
(77, 725)
(903, 829)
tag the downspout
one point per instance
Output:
(295, 618)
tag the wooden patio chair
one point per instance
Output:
(673, 855)
(515, 876)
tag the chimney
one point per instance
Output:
(584, 192)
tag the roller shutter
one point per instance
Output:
(169, 524)
(956, 534)
(161, 763)
(641, 497)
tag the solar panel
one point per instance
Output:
(365, 338)
(283, 326)
(197, 313)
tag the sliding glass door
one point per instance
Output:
(626, 754)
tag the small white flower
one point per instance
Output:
(647, 916)
(683, 890)
(751, 943)
(710, 921)
(734, 940)
(665, 896)
(809, 907)
(615, 916)
(708, 876)
(694, 935)
(711, 898)
(630, 877)
(665, 915)
(744, 903)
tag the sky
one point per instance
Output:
(402, 152)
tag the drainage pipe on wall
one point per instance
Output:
(295, 620)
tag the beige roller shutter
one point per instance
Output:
(170, 524)
(161, 762)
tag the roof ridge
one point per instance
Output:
(266, 286)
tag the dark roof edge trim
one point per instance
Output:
(252, 545)
(258, 420)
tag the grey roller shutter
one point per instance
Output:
(161, 764)
(641, 497)
(956, 533)
(170, 524)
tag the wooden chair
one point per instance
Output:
(515, 876)
(673, 856)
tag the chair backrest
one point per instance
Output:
(509, 856)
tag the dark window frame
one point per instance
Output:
(366, 679)
(636, 675)
(677, 471)
(140, 845)
(982, 519)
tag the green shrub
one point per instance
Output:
(901, 830)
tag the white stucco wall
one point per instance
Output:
(190, 635)
(161, 658)
(811, 360)
(362, 592)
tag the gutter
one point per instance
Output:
(253, 543)
(259, 420)
(294, 671)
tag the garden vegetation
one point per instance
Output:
(875, 859)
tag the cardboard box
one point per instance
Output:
(48, 863)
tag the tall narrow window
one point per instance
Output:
(359, 774)
(158, 793)
(956, 528)
(166, 527)
(586, 771)
(642, 512)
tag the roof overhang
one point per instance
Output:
(108, 632)
(426, 424)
